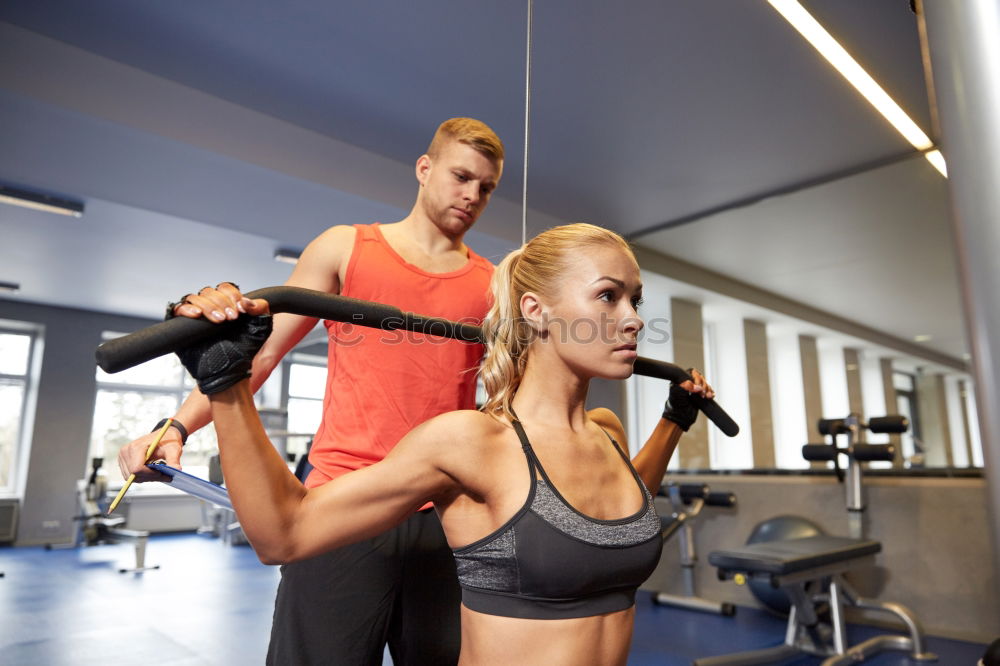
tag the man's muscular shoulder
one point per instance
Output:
(324, 261)
(334, 243)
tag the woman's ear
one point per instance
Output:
(535, 312)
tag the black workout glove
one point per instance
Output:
(221, 362)
(680, 408)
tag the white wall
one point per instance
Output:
(726, 370)
(833, 378)
(873, 392)
(788, 402)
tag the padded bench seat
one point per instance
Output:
(780, 558)
(811, 572)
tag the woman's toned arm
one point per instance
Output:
(286, 521)
(652, 459)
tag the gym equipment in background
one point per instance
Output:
(779, 528)
(688, 500)
(857, 452)
(810, 570)
(94, 527)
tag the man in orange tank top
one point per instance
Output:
(400, 587)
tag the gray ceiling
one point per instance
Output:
(202, 135)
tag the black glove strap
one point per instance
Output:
(219, 363)
(680, 408)
(174, 423)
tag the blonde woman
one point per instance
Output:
(552, 526)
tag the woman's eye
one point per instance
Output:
(636, 302)
(607, 296)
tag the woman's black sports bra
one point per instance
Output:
(550, 561)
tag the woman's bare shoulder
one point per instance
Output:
(608, 420)
(469, 446)
(466, 427)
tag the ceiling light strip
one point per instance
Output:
(287, 255)
(38, 201)
(843, 62)
(937, 159)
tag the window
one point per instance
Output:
(303, 399)
(17, 367)
(131, 402)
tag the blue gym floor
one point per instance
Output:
(210, 605)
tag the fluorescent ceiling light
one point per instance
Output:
(937, 159)
(37, 201)
(837, 56)
(287, 256)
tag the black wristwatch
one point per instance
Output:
(174, 423)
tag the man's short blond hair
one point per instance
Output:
(472, 132)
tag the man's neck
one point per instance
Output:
(418, 231)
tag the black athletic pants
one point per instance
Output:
(341, 608)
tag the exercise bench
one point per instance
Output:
(810, 571)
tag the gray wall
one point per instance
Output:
(64, 414)
(687, 331)
(934, 422)
(812, 389)
(759, 393)
(609, 394)
(936, 556)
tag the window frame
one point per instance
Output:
(298, 358)
(178, 390)
(25, 419)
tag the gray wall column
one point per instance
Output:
(962, 44)
(855, 397)
(689, 352)
(889, 390)
(759, 389)
(935, 425)
(812, 391)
